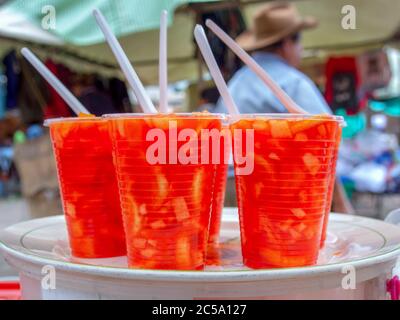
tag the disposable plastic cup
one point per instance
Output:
(89, 191)
(219, 193)
(282, 201)
(166, 187)
(331, 187)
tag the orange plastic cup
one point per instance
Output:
(282, 201)
(331, 188)
(88, 185)
(166, 205)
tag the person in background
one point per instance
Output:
(275, 44)
(208, 99)
(92, 93)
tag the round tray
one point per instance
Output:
(354, 241)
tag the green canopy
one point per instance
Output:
(75, 23)
(80, 42)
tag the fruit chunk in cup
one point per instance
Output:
(165, 201)
(88, 185)
(282, 202)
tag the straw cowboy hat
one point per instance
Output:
(272, 23)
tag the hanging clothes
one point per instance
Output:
(96, 101)
(119, 95)
(3, 95)
(13, 74)
(230, 20)
(343, 85)
(33, 95)
(56, 106)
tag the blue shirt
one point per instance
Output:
(252, 96)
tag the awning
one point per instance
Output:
(78, 42)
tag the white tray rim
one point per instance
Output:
(201, 276)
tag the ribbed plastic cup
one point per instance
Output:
(88, 185)
(218, 202)
(166, 205)
(331, 188)
(221, 176)
(282, 201)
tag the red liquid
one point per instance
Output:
(166, 207)
(88, 184)
(218, 202)
(331, 188)
(283, 201)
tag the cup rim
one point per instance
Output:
(200, 115)
(282, 116)
(49, 122)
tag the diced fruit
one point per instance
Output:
(260, 125)
(301, 227)
(273, 156)
(159, 224)
(299, 213)
(258, 187)
(322, 130)
(77, 229)
(309, 233)
(312, 163)
(180, 208)
(294, 234)
(161, 123)
(148, 253)
(142, 209)
(183, 256)
(136, 221)
(153, 243)
(86, 115)
(303, 196)
(300, 137)
(280, 129)
(284, 226)
(162, 186)
(277, 258)
(70, 209)
(139, 243)
(197, 185)
(261, 161)
(299, 126)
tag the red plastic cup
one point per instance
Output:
(166, 205)
(282, 201)
(331, 188)
(88, 184)
(218, 202)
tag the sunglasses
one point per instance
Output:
(296, 37)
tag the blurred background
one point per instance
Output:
(357, 70)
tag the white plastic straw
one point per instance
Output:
(130, 74)
(163, 76)
(209, 58)
(68, 97)
(289, 104)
